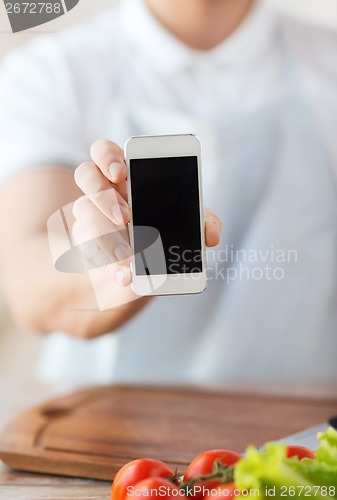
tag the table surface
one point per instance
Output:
(16, 397)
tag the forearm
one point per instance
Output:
(45, 300)
(40, 297)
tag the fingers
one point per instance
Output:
(213, 226)
(110, 203)
(102, 215)
(92, 182)
(108, 166)
(109, 158)
(103, 244)
(90, 179)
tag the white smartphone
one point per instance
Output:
(167, 217)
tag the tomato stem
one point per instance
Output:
(221, 472)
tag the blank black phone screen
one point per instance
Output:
(166, 203)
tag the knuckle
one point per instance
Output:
(89, 179)
(105, 199)
(79, 205)
(97, 145)
(103, 152)
(83, 168)
(80, 172)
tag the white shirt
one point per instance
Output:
(264, 105)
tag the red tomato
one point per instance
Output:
(224, 492)
(134, 472)
(154, 487)
(203, 466)
(299, 452)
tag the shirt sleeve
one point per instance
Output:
(40, 120)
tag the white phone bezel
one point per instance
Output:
(162, 147)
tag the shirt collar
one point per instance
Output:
(170, 56)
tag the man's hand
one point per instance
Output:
(40, 297)
(105, 211)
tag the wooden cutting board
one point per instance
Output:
(92, 433)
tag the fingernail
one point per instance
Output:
(120, 214)
(122, 252)
(115, 169)
(120, 276)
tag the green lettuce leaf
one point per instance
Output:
(316, 472)
(269, 473)
(322, 471)
(327, 451)
(266, 469)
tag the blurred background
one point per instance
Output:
(18, 348)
